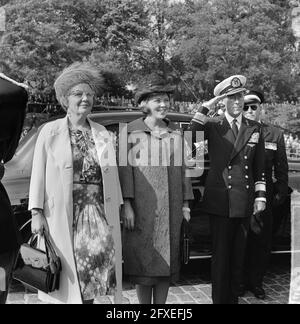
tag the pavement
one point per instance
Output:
(193, 288)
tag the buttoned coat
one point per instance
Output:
(51, 189)
(157, 193)
(237, 166)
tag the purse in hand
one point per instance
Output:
(185, 243)
(38, 269)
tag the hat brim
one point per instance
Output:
(145, 93)
(235, 91)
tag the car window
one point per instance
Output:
(183, 125)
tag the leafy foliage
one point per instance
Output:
(239, 36)
(44, 36)
(197, 42)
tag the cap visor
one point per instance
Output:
(235, 91)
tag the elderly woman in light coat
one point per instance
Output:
(75, 193)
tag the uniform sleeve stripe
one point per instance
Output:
(260, 187)
(198, 121)
(199, 118)
(261, 199)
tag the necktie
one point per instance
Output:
(235, 128)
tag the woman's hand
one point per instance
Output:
(259, 207)
(186, 211)
(128, 215)
(187, 216)
(39, 223)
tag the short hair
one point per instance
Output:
(147, 97)
(75, 74)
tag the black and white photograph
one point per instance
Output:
(149, 154)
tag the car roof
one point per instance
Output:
(127, 116)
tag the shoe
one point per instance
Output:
(258, 292)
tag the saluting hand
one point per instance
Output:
(128, 215)
(211, 104)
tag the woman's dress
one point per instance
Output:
(94, 249)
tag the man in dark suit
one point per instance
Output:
(260, 244)
(13, 101)
(235, 187)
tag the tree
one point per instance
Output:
(239, 36)
(197, 42)
(44, 36)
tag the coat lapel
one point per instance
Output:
(101, 141)
(62, 146)
(225, 131)
(245, 134)
(62, 151)
(266, 131)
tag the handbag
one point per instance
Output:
(38, 269)
(185, 243)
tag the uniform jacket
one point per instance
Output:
(13, 101)
(276, 163)
(237, 172)
(51, 189)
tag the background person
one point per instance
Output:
(75, 193)
(235, 186)
(156, 197)
(276, 164)
(13, 101)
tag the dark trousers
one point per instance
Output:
(7, 261)
(259, 252)
(229, 237)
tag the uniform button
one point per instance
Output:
(247, 177)
(246, 157)
(246, 167)
(230, 187)
(106, 170)
(108, 200)
(247, 187)
(230, 177)
(230, 167)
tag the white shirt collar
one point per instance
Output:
(230, 119)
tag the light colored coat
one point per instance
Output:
(51, 189)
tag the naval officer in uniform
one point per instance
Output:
(276, 164)
(235, 187)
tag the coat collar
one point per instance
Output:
(61, 146)
(230, 119)
(139, 125)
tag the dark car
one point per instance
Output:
(19, 169)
